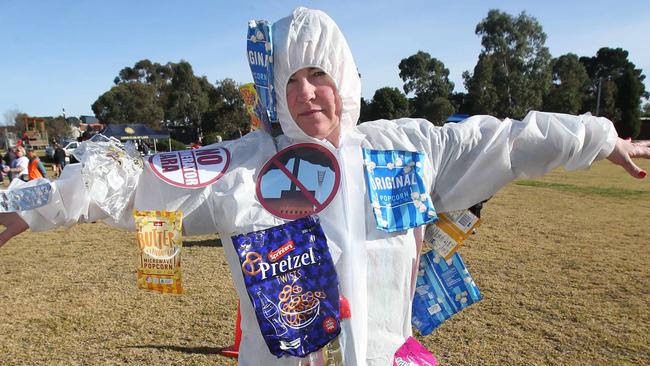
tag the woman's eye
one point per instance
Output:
(318, 73)
(291, 80)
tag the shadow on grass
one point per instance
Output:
(184, 349)
(216, 242)
(600, 191)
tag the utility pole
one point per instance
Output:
(600, 82)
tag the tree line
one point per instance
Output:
(151, 93)
(514, 73)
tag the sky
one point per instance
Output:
(64, 54)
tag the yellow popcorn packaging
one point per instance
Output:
(159, 247)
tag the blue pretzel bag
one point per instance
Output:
(396, 189)
(443, 288)
(292, 283)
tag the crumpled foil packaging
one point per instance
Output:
(24, 199)
(110, 171)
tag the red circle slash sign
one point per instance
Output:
(299, 180)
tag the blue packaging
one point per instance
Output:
(396, 189)
(292, 283)
(443, 288)
(259, 52)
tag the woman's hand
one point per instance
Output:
(625, 150)
(13, 224)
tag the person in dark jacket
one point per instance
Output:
(59, 160)
(8, 158)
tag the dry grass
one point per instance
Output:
(563, 267)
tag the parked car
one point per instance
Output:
(49, 151)
(70, 147)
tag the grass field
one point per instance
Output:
(562, 263)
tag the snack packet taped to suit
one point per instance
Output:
(450, 231)
(396, 189)
(159, 247)
(412, 353)
(443, 288)
(292, 283)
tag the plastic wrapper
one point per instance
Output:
(292, 284)
(254, 108)
(27, 198)
(110, 171)
(398, 195)
(451, 230)
(412, 353)
(159, 246)
(443, 288)
(259, 49)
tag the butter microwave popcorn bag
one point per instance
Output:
(159, 247)
(292, 283)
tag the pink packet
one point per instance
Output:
(412, 353)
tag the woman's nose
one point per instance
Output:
(306, 90)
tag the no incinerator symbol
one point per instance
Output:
(193, 168)
(298, 181)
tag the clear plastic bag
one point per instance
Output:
(110, 171)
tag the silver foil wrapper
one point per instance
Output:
(110, 171)
(24, 199)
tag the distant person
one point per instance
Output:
(4, 169)
(35, 169)
(144, 149)
(86, 135)
(8, 158)
(20, 165)
(59, 160)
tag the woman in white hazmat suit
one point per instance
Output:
(318, 93)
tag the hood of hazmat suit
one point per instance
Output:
(393, 176)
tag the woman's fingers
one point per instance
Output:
(13, 224)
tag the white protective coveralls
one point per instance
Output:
(466, 163)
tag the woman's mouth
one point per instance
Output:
(310, 112)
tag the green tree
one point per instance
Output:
(438, 110)
(461, 102)
(187, 98)
(365, 113)
(425, 75)
(570, 81)
(482, 94)
(513, 72)
(226, 114)
(19, 122)
(621, 89)
(630, 90)
(169, 92)
(428, 79)
(10, 116)
(57, 128)
(129, 103)
(389, 103)
(645, 109)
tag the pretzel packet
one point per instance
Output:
(292, 283)
(159, 248)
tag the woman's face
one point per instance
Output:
(314, 104)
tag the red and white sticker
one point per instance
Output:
(192, 168)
